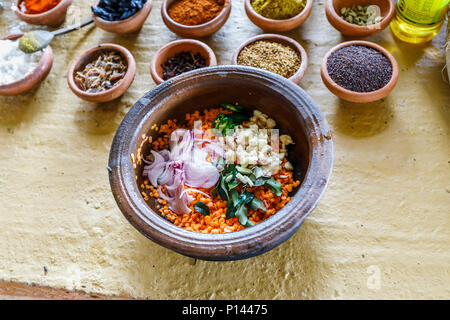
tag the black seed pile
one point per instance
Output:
(182, 62)
(359, 68)
(113, 10)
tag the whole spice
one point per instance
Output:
(271, 56)
(37, 6)
(195, 12)
(278, 9)
(103, 73)
(14, 63)
(359, 68)
(182, 62)
(362, 15)
(113, 10)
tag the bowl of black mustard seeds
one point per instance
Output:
(359, 71)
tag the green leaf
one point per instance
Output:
(231, 107)
(234, 196)
(231, 210)
(257, 204)
(202, 208)
(222, 190)
(274, 186)
(241, 214)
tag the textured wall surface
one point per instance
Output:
(382, 229)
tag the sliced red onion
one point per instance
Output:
(203, 175)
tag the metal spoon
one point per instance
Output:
(34, 41)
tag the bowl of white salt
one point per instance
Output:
(21, 72)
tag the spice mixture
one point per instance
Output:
(359, 68)
(113, 10)
(103, 73)
(271, 56)
(195, 12)
(182, 62)
(362, 15)
(14, 63)
(278, 9)
(223, 194)
(37, 6)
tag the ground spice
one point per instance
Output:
(278, 9)
(182, 62)
(271, 56)
(38, 6)
(195, 12)
(359, 68)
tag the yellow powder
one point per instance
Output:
(278, 9)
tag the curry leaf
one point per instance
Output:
(202, 208)
(257, 204)
(274, 186)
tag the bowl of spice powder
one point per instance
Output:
(359, 71)
(179, 57)
(121, 16)
(195, 18)
(102, 73)
(278, 15)
(275, 53)
(42, 12)
(359, 18)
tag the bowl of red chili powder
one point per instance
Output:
(43, 12)
(195, 18)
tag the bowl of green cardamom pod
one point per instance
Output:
(359, 18)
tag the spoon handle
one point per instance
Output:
(73, 27)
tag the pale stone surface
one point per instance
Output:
(380, 231)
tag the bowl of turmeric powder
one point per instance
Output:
(278, 15)
(45, 12)
(195, 18)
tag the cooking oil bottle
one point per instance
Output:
(419, 21)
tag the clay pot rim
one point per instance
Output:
(341, 23)
(106, 23)
(43, 14)
(44, 66)
(300, 73)
(359, 96)
(117, 89)
(211, 246)
(222, 15)
(192, 42)
(306, 10)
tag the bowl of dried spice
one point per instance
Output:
(180, 56)
(195, 18)
(359, 71)
(359, 18)
(102, 73)
(278, 15)
(120, 16)
(275, 53)
(44, 12)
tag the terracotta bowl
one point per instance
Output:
(272, 25)
(91, 54)
(297, 77)
(198, 31)
(34, 78)
(353, 96)
(288, 104)
(129, 25)
(333, 9)
(52, 18)
(175, 47)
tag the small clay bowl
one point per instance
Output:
(197, 31)
(129, 25)
(34, 78)
(361, 97)
(297, 76)
(53, 17)
(333, 9)
(87, 56)
(273, 25)
(293, 110)
(174, 47)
